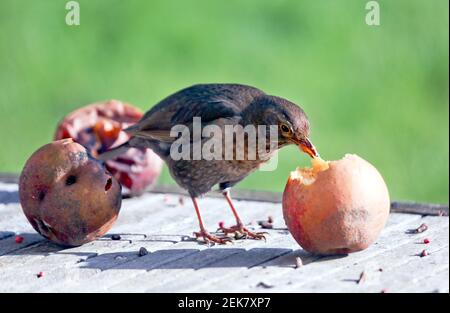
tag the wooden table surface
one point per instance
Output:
(163, 224)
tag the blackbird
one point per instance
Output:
(219, 105)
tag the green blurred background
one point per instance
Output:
(380, 92)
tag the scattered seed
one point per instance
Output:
(362, 278)
(423, 253)
(267, 224)
(40, 274)
(116, 237)
(19, 239)
(143, 251)
(423, 227)
(264, 285)
(186, 238)
(426, 241)
(298, 262)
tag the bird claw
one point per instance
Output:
(246, 233)
(208, 238)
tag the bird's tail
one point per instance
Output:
(114, 152)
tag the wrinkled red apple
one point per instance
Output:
(99, 127)
(68, 196)
(336, 207)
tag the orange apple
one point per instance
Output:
(336, 207)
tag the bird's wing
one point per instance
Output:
(209, 102)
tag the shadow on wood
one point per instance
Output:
(186, 259)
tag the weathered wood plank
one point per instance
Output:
(9, 245)
(399, 266)
(437, 282)
(239, 262)
(185, 229)
(281, 270)
(92, 268)
(419, 208)
(276, 197)
(131, 271)
(182, 275)
(161, 223)
(250, 195)
(390, 240)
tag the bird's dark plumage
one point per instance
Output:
(220, 105)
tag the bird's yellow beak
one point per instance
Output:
(306, 146)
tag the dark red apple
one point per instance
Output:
(99, 127)
(67, 195)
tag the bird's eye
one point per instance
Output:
(285, 129)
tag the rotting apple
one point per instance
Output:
(336, 207)
(99, 127)
(68, 196)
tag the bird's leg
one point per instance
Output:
(239, 227)
(207, 237)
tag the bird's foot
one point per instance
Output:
(208, 238)
(244, 231)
